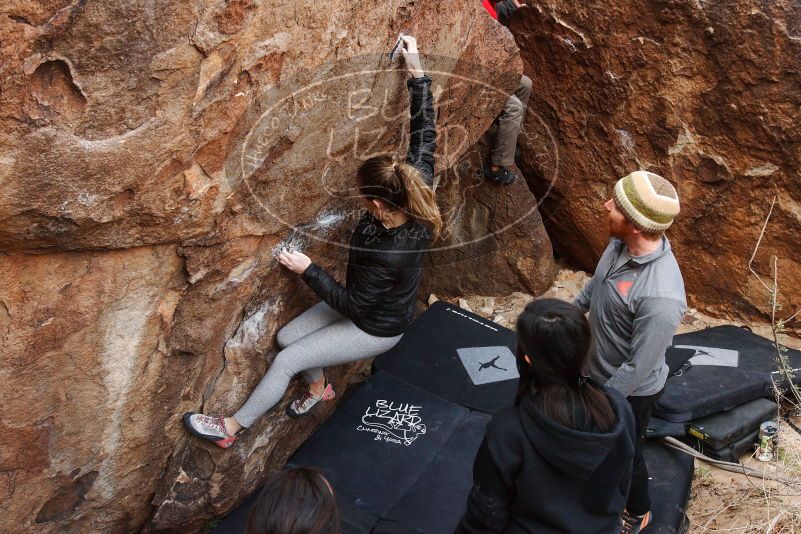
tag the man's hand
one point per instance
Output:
(297, 262)
(411, 56)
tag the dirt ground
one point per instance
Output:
(721, 501)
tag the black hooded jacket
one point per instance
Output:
(383, 273)
(533, 475)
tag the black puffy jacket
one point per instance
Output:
(535, 476)
(383, 273)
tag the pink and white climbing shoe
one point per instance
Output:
(208, 427)
(307, 401)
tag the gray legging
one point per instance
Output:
(319, 337)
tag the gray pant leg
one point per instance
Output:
(523, 91)
(335, 344)
(510, 121)
(316, 317)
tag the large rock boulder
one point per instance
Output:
(155, 155)
(708, 94)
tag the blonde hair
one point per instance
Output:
(401, 186)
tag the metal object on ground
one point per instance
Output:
(768, 441)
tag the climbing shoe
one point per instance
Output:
(208, 427)
(308, 400)
(502, 176)
(633, 524)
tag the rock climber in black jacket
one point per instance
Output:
(559, 461)
(369, 314)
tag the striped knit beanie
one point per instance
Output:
(647, 200)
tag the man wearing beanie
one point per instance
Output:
(636, 301)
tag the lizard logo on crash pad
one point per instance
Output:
(393, 422)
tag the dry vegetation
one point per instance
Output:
(727, 502)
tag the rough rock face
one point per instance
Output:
(707, 94)
(154, 157)
(494, 240)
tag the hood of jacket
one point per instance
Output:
(573, 452)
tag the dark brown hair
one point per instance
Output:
(401, 186)
(556, 337)
(295, 501)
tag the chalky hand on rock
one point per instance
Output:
(411, 56)
(297, 262)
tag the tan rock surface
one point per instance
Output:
(153, 158)
(706, 94)
(178, 124)
(88, 387)
(495, 241)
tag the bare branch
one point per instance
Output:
(759, 241)
(784, 365)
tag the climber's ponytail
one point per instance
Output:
(421, 200)
(401, 186)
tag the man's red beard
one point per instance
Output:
(616, 229)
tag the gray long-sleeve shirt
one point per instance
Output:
(635, 303)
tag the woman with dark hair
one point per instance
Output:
(368, 315)
(295, 501)
(560, 459)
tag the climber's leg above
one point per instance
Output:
(222, 430)
(316, 380)
(523, 91)
(510, 121)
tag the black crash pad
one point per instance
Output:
(730, 366)
(458, 356)
(671, 473)
(724, 429)
(237, 519)
(659, 428)
(396, 468)
(399, 459)
(437, 500)
(730, 453)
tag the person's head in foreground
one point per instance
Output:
(643, 205)
(295, 501)
(554, 342)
